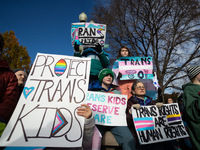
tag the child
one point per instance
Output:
(124, 85)
(99, 59)
(122, 134)
(191, 101)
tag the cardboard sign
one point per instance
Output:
(109, 109)
(46, 112)
(88, 34)
(135, 68)
(156, 125)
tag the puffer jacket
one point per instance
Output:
(8, 92)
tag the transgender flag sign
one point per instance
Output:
(142, 124)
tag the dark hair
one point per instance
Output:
(134, 85)
(119, 52)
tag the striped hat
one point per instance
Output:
(193, 71)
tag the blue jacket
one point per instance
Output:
(96, 86)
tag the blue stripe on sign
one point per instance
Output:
(142, 119)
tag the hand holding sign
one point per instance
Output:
(98, 48)
(84, 111)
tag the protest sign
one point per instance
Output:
(88, 34)
(135, 68)
(46, 112)
(108, 109)
(154, 124)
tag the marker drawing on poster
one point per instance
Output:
(88, 34)
(136, 68)
(46, 112)
(154, 124)
(108, 109)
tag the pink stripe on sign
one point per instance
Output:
(128, 63)
(143, 126)
(59, 123)
(145, 121)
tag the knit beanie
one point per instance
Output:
(193, 71)
(105, 72)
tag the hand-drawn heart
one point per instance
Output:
(27, 91)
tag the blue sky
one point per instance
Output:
(43, 26)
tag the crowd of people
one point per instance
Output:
(107, 80)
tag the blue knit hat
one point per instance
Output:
(105, 72)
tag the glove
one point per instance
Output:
(119, 75)
(76, 47)
(97, 48)
(136, 106)
(159, 105)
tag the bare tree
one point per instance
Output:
(167, 30)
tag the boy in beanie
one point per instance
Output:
(122, 134)
(191, 101)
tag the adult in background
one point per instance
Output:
(21, 77)
(191, 101)
(8, 90)
(170, 100)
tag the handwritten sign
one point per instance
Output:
(109, 109)
(156, 125)
(136, 68)
(88, 34)
(46, 112)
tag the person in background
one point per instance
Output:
(99, 59)
(9, 90)
(122, 134)
(170, 100)
(21, 77)
(191, 101)
(124, 85)
(137, 100)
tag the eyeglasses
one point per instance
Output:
(141, 87)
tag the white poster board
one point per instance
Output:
(156, 125)
(46, 112)
(109, 109)
(88, 34)
(135, 68)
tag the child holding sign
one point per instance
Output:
(122, 134)
(137, 100)
(124, 85)
(191, 101)
(99, 59)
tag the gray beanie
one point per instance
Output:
(193, 71)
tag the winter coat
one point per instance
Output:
(191, 101)
(8, 91)
(134, 100)
(98, 61)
